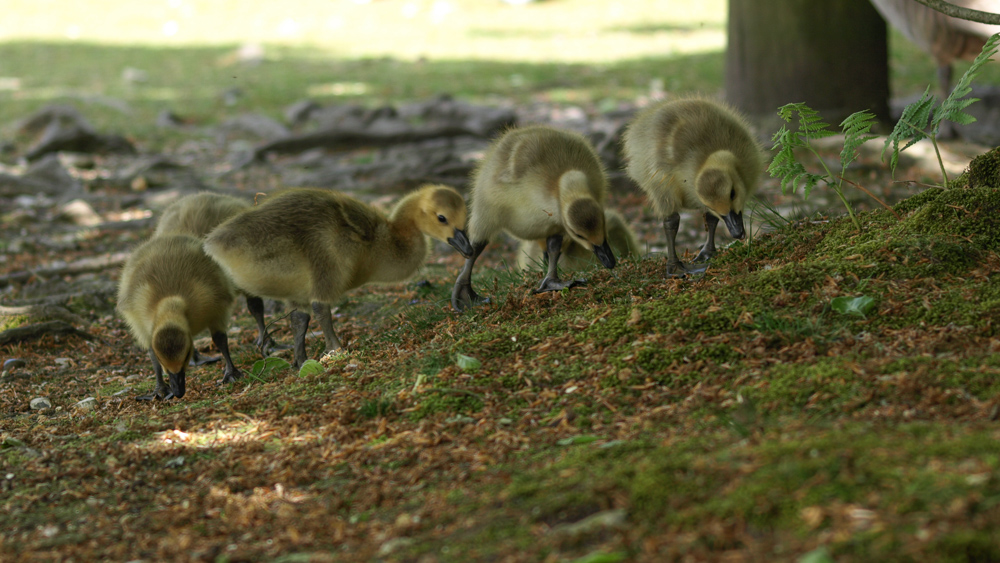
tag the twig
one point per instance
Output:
(954, 11)
(83, 266)
(453, 391)
(873, 196)
(36, 331)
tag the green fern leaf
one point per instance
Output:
(951, 108)
(784, 165)
(857, 131)
(911, 127)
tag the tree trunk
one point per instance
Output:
(830, 54)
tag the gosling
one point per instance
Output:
(694, 154)
(169, 291)
(309, 246)
(537, 184)
(197, 215)
(620, 237)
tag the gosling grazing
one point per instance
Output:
(197, 215)
(538, 184)
(309, 246)
(169, 291)
(620, 237)
(694, 154)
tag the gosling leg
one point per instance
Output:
(707, 251)
(675, 268)
(161, 391)
(322, 313)
(552, 282)
(463, 295)
(300, 325)
(264, 342)
(230, 374)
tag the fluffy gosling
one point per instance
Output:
(694, 154)
(169, 291)
(538, 184)
(309, 246)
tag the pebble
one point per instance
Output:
(63, 362)
(13, 363)
(86, 404)
(175, 462)
(40, 403)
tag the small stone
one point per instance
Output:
(63, 362)
(609, 519)
(505, 421)
(80, 213)
(86, 404)
(175, 462)
(40, 403)
(393, 545)
(11, 442)
(460, 419)
(12, 363)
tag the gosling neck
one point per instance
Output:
(406, 247)
(171, 311)
(573, 186)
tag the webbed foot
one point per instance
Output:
(198, 360)
(463, 296)
(556, 284)
(676, 269)
(230, 376)
(703, 257)
(268, 347)
(161, 392)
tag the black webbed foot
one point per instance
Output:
(464, 296)
(161, 393)
(198, 360)
(556, 284)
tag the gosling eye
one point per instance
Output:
(442, 219)
(732, 195)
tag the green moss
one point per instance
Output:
(983, 171)
(8, 322)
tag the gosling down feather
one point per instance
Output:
(197, 215)
(694, 154)
(169, 291)
(538, 184)
(309, 246)
(575, 257)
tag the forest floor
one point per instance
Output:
(742, 415)
(823, 393)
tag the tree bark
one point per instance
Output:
(830, 54)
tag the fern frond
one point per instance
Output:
(911, 127)
(951, 108)
(810, 124)
(857, 131)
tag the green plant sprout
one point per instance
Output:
(856, 130)
(922, 119)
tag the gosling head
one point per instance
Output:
(722, 192)
(584, 222)
(443, 215)
(173, 348)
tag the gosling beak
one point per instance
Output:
(734, 221)
(176, 384)
(460, 242)
(605, 255)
